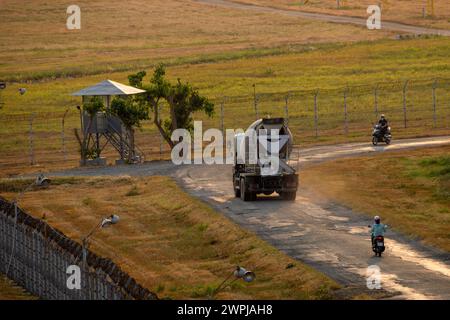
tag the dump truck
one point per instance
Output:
(251, 178)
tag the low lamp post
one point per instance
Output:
(105, 222)
(238, 273)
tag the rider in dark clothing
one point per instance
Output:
(384, 124)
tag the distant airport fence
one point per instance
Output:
(37, 257)
(322, 116)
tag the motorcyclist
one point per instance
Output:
(384, 124)
(378, 229)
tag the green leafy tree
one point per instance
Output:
(93, 105)
(131, 111)
(181, 98)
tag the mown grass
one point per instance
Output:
(223, 53)
(313, 67)
(436, 169)
(118, 36)
(170, 242)
(410, 190)
(404, 11)
(330, 67)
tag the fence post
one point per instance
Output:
(256, 107)
(345, 111)
(316, 115)
(63, 137)
(434, 104)
(286, 108)
(255, 100)
(405, 87)
(375, 94)
(221, 117)
(158, 111)
(31, 139)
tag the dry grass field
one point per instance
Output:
(183, 249)
(404, 11)
(324, 66)
(129, 35)
(178, 249)
(222, 51)
(409, 190)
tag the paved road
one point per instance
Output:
(327, 236)
(387, 25)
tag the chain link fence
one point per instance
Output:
(37, 257)
(322, 116)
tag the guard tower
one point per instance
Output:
(103, 128)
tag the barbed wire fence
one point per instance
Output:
(323, 115)
(40, 256)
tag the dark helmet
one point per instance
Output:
(377, 219)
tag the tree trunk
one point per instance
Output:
(131, 153)
(173, 115)
(157, 122)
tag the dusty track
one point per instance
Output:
(387, 25)
(325, 235)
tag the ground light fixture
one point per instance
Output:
(41, 181)
(242, 273)
(104, 223)
(238, 273)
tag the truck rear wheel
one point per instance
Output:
(290, 196)
(245, 194)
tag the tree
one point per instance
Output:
(182, 100)
(93, 105)
(131, 112)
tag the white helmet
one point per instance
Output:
(377, 219)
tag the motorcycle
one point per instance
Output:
(377, 135)
(378, 245)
